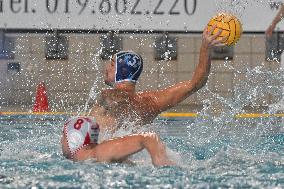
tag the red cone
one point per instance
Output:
(41, 102)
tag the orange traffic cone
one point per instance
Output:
(41, 102)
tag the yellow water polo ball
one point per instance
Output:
(230, 25)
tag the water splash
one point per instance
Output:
(95, 89)
(236, 7)
(217, 123)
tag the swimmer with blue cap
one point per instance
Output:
(80, 142)
(122, 102)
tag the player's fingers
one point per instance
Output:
(217, 34)
(210, 32)
(220, 42)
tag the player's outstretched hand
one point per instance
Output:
(209, 39)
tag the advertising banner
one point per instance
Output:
(132, 15)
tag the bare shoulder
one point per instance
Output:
(146, 102)
(147, 94)
(153, 95)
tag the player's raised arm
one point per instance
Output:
(171, 96)
(279, 16)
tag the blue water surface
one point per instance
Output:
(247, 154)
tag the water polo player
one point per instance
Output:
(122, 102)
(80, 142)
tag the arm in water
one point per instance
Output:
(119, 149)
(279, 16)
(171, 96)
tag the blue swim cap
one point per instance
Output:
(129, 66)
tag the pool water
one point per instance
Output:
(241, 155)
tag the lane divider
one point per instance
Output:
(36, 113)
(172, 114)
(252, 115)
(249, 115)
(166, 114)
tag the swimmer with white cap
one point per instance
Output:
(80, 142)
(122, 101)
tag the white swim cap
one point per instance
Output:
(80, 132)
